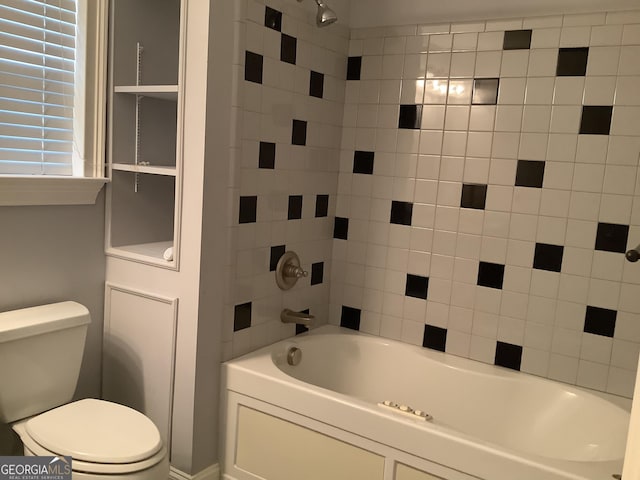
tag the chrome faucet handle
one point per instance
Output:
(633, 255)
(288, 270)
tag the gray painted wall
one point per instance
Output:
(55, 253)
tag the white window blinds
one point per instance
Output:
(37, 64)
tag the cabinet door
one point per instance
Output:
(138, 353)
(275, 449)
(404, 472)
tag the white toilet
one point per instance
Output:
(40, 355)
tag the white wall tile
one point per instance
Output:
(606, 35)
(508, 118)
(592, 375)
(584, 206)
(417, 44)
(587, 178)
(575, 36)
(482, 349)
(563, 368)
(567, 342)
(631, 35)
(512, 91)
(487, 64)
(462, 64)
(542, 62)
(440, 43)
(514, 306)
(603, 60)
(534, 361)
(568, 91)
(514, 63)
(546, 37)
(438, 64)
(600, 91)
(488, 41)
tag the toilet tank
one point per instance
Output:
(40, 355)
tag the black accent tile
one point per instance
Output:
(508, 355)
(572, 62)
(288, 47)
(485, 91)
(434, 338)
(354, 66)
(530, 173)
(341, 228)
(612, 237)
(401, 213)
(299, 132)
(295, 207)
(490, 275)
(596, 120)
(416, 286)
(517, 40)
(316, 84)
(267, 156)
(473, 196)
(317, 273)
(350, 318)
(276, 253)
(248, 209)
(548, 257)
(322, 205)
(242, 316)
(273, 19)
(410, 117)
(363, 162)
(253, 67)
(600, 321)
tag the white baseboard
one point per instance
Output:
(212, 472)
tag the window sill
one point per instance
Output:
(18, 190)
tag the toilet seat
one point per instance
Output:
(101, 437)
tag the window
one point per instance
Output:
(52, 96)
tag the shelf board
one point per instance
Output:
(142, 251)
(151, 169)
(163, 92)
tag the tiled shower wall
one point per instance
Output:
(488, 190)
(290, 79)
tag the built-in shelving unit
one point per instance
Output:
(145, 130)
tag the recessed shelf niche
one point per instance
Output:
(144, 155)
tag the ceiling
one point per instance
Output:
(373, 13)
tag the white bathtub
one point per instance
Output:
(488, 422)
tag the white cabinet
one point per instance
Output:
(274, 449)
(138, 368)
(144, 161)
(156, 319)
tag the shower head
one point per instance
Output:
(325, 15)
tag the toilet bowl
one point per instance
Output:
(40, 355)
(104, 439)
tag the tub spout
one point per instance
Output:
(289, 316)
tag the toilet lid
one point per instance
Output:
(96, 431)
